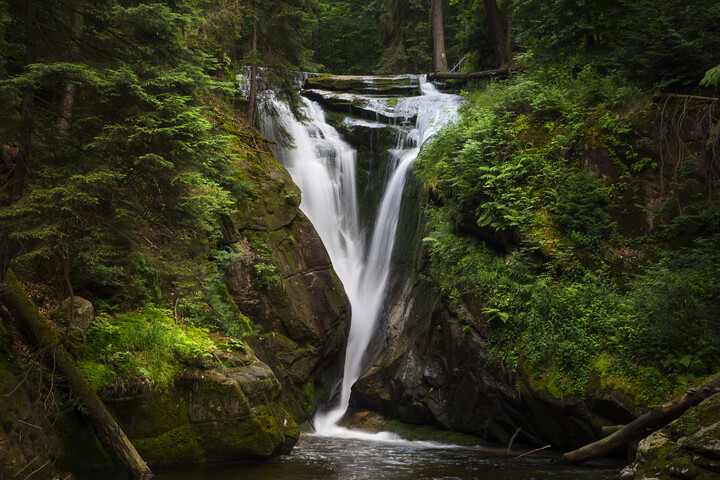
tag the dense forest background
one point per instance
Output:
(125, 126)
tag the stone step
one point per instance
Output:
(395, 85)
(377, 108)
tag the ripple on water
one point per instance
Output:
(358, 456)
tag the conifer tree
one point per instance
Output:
(135, 176)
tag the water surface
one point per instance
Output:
(332, 458)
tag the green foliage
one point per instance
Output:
(509, 160)
(581, 211)
(266, 273)
(523, 233)
(674, 306)
(656, 43)
(145, 344)
(712, 77)
(348, 37)
(129, 197)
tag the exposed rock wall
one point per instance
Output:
(286, 284)
(428, 369)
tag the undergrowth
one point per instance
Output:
(146, 344)
(557, 299)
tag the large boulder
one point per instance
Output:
(84, 312)
(688, 448)
(231, 410)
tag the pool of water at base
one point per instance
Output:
(333, 458)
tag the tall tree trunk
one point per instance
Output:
(316, 43)
(508, 34)
(24, 155)
(253, 68)
(8, 246)
(500, 40)
(29, 320)
(439, 36)
(68, 97)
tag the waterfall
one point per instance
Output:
(323, 165)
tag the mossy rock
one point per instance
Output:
(688, 447)
(225, 413)
(377, 84)
(177, 446)
(432, 434)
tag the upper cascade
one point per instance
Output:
(378, 98)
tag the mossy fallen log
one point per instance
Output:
(645, 424)
(500, 72)
(29, 320)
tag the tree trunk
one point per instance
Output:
(644, 424)
(22, 160)
(316, 43)
(500, 40)
(16, 179)
(30, 321)
(68, 97)
(439, 36)
(253, 69)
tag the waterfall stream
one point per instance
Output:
(323, 165)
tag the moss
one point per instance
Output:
(178, 445)
(98, 375)
(429, 433)
(254, 436)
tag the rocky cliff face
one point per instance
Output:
(285, 283)
(239, 404)
(428, 369)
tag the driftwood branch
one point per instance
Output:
(645, 424)
(512, 439)
(532, 451)
(29, 320)
(500, 72)
(687, 97)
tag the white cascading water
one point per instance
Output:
(322, 164)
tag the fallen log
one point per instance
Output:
(659, 96)
(500, 72)
(31, 322)
(644, 425)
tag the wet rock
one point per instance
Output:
(376, 84)
(371, 136)
(368, 421)
(285, 283)
(379, 109)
